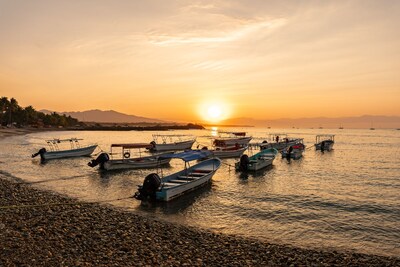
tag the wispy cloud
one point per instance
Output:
(240, 31)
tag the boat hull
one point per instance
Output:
(179, 183)
(222, 154)
(260, 160)
(233, 141)
(260, 164)
(295, 154)
(173, 146)
(328, 146)
(279, 146)
(79, 152)
(138, 163)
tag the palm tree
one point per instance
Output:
(13, 106)
(4, 103)
(30, 115)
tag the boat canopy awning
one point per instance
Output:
(320, 137)
(325, 135)
(188, 155)
(133, 145)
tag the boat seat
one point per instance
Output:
(187, 178)
(205, 171)
(183, 177)
(168, 185)
(178, 181)
(194, 174)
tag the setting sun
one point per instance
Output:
(214, 111)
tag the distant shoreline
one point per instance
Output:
(6, 132)
(139, 128)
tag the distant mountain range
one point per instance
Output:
(106, 116)
(366, 121)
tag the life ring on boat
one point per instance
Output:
(127, 155)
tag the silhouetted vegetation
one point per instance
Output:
(11, 114)
(158, 127)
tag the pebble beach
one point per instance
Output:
(42, 228)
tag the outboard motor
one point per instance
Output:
(101, 159)
(150, 185)
(153, 146)
(41, 153)
(289, 153)
(244, 160)
(264, 145)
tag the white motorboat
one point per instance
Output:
(294, 151)
(136, 160)
(179, 183)
(279, 141)
(56, 151)
(258, 161)
(324, 142)
(234, 151)
(231, 139)
(171, 142)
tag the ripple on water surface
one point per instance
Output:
(344, 199)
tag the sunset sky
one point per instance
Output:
(192, 60)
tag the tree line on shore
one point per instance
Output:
(12, 114)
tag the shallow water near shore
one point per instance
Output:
(346, 199)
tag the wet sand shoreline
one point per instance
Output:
(44, 228)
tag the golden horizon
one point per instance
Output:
(203, 61)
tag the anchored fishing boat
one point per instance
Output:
(56, 151)
(324, 142)
(131, 158)
(171, 142)
(176, 184)
(294, 151)
(279, 141)
(231, 139)
(258, 161)
(234, 151)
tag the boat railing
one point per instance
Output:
(172, 138)
(280, 136)
(53, 143)
(324, 137)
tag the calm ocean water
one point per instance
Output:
(346, 199)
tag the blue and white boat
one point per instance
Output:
(262, 159)
(179, 183)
